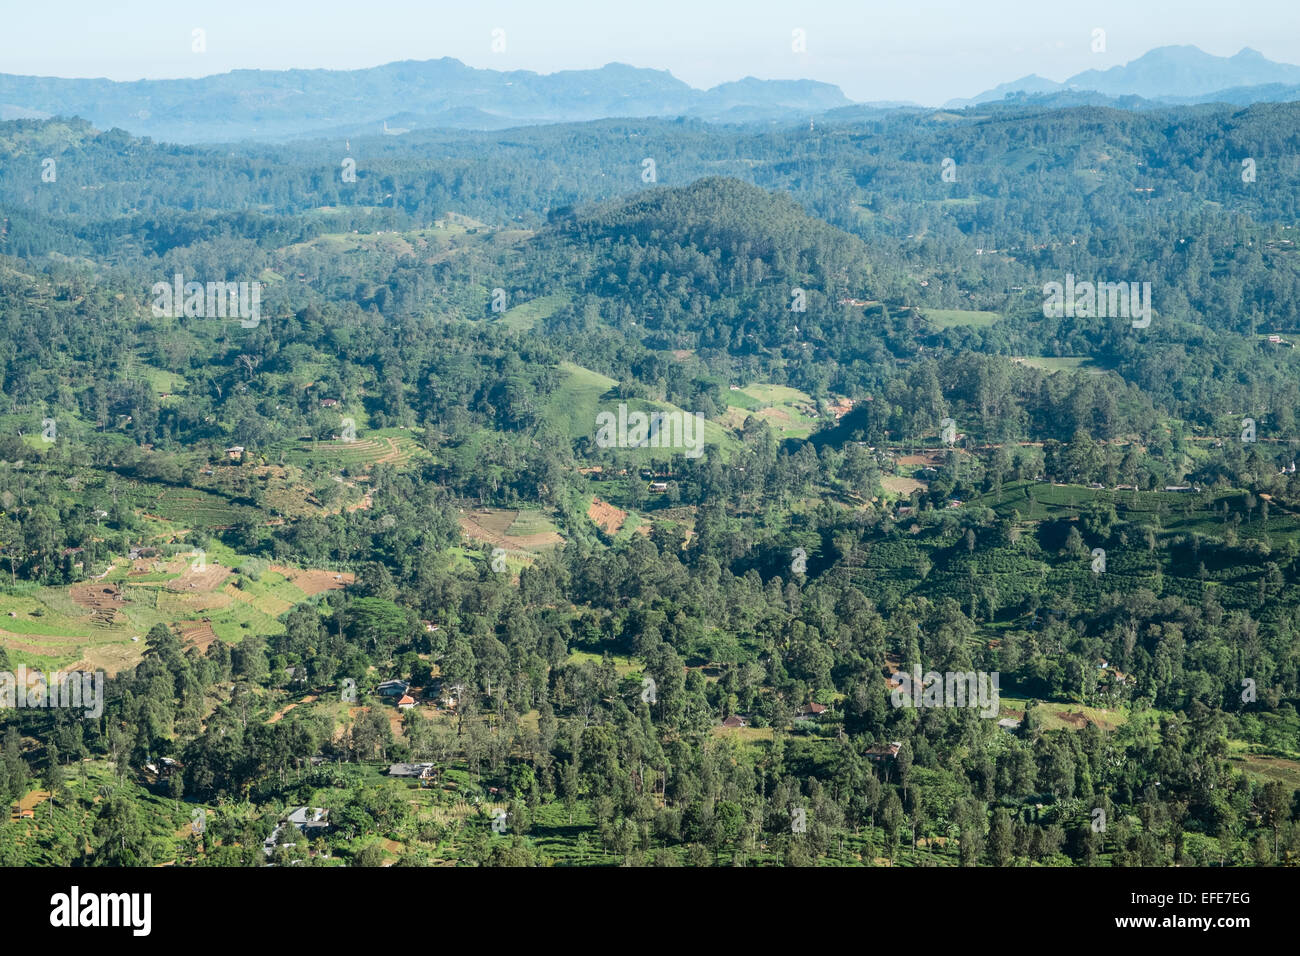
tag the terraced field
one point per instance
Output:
(397, 448)
(529, 531)
(197, 509)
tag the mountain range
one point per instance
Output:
(286, 104)
(1169, 74)
(277, 105)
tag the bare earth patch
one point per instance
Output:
(608, 518)
(197, 633)
(102, 599)
(279, 714)
(205, 581)
(316, 582)
(1077, 721)
(33, 800)
(932, 459)
(489, 525)
(902, 486)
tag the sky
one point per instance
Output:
(918, 50)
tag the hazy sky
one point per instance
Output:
(914, 50)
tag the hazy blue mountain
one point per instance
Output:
(1242, 95)
(1033, 83)
(783, 94)
(284, 104)
(1169, 74)
(1185, 71)
(10, 112)
(447, 94)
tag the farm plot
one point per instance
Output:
(192, 508)
(377, 449)
(789, 412)
(53, 628)
(527, 531)
(197, 634)
(191, 579)
(101, 599)
(606, 517)
(311, 582)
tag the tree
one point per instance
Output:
(1001, 839)
(370, 855)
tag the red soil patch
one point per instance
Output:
(279, 714)
(608, 518)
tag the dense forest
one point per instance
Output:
(629, 655)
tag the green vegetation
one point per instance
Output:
(951, 318)
(637, 655)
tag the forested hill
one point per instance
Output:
(714, 263)
(725, 218)
(1037, 194)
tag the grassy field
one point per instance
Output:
(1265, 768)
(585, 393)
(524, 316)
(162, 382)
(790, 412)
(949, 318)
(739, 398)
(1060, 363)
(390, 243)
(1057, 716)
(85, 625)
(623, 665)
(579, 399)
(530, 521)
